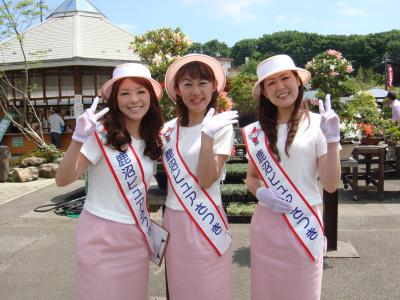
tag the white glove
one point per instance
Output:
(330, 123)
(268, 198)
(212, 124)
(86, 122)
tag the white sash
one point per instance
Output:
(128, 174)
(201, 209)
(302, 221)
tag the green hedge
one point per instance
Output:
(237, 160)
(235, 173)
(236, 193)
(240, 209)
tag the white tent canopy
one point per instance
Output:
(378, 93)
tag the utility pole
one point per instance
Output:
(386, 61)
(41, 3)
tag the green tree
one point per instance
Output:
(244, 48)
(15, 18)
(366, 79)
(292, 43)
(240, 93)
(250, 68)
(216, 48)
(366, 51)
(196, 48)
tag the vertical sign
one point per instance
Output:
(390, 77)
(78, 106)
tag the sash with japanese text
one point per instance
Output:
(195, 200)
(302, 221)
(128, 173)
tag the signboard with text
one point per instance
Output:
(4, 124)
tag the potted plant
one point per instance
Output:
(350, 136)
(330, 74)
(391, 132)
(369, 134)
(367, 116)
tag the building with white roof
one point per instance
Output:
(71, 54)
(74, 50)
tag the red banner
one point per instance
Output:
(390, 76)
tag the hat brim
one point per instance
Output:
(214, 64)
(107, 86)
(304, 75)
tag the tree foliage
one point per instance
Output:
(15, 18)
(244, 48)
(242, 86)
(216, 48)
(367, 51)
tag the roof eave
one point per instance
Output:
(75, 61)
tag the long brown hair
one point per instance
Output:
(194, 70)
(268, 118)
(118, 136)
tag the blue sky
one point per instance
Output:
(230, 21)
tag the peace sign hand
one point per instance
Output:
(330, 123)
(86, 122)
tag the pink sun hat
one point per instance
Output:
(276, 64)
(137, 70)
(214, 64)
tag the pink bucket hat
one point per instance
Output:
(130, 70)
(276, 64)
(215, 66)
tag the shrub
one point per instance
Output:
(330, 73)
(235, 173)
(236, 193)
(242, 86)
(50, 153)
(365, 108)
(241, 209)
(237, 160)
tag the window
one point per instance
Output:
(52, 84)
(67, 83)
(102, 78)
(36, 85)
(88, 83)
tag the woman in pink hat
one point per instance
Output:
(289, 148)
(196, 145)
(118, 146)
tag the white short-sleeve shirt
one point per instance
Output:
(308, 145)
(189, 147)
(104, 198)
(301, 166)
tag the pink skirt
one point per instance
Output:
(112, 260)
(280, 267)
(194, 269)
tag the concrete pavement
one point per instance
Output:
(36, 249)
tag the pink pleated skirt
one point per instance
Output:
(112, 260)
(194, 269)
(280, 268)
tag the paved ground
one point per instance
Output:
(36, 249)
